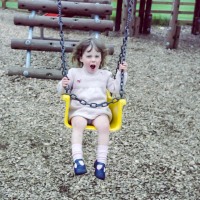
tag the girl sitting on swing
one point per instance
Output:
(90, 83)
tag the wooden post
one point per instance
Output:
(176, 37)
(118, 15)
(141, 14)
(170, 38)
(124, 16)
(4, 4)
(196, 19)
(147, 18)
(136, 26)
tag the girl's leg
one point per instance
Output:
(78, 126)
(102, 125)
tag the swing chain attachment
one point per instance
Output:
(122, 56)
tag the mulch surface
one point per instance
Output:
(154, 156)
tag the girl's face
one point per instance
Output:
(91, 59)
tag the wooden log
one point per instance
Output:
(134, 23)
(124, 16)
(136, 26)
(141, 14)
(68, 23)
(176, 37)
(172, 26)
(147, 18)
(36, 73)
(91, 1)
(196, 19)
(196, 29)
(118, 15)
(4, 4)
(48, 45)
(147, 24)
(73, 8)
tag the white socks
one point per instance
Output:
(77, 152)
(102, 152)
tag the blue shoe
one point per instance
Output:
(100, 170)
(79, 167)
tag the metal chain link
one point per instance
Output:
(93, 105)
(121, 58)
(122, 55)
(62, 41)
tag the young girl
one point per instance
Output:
(89, 82)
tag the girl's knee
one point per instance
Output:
(102, 123)
(105, 126)
(78, 122)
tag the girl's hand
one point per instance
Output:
(123, 66)
(65, 82)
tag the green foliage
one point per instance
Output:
(160, 20)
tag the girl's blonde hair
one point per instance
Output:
(83, 45)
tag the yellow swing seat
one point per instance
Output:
(116, 109)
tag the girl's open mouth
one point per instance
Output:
(92, 66)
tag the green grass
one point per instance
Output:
(164, 17)
(12, 5)
(160, 20)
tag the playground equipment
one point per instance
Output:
(143, 18)
(174, 29)
(141, 23)
(116, 108)
(96, 25)
(116, 105)
(87, 22)
(196, 19)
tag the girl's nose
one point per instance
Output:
(93, 59)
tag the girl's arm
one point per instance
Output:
(114, 84)
(65, 82)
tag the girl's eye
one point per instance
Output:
(89, 56)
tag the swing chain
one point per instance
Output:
(122, 55)
(93, 105)
(64, 65)
(122, 58)
(63, 55)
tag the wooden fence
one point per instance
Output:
(143, 18)
(166, 11)
(180, 12)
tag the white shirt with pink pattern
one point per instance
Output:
(91, 87)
